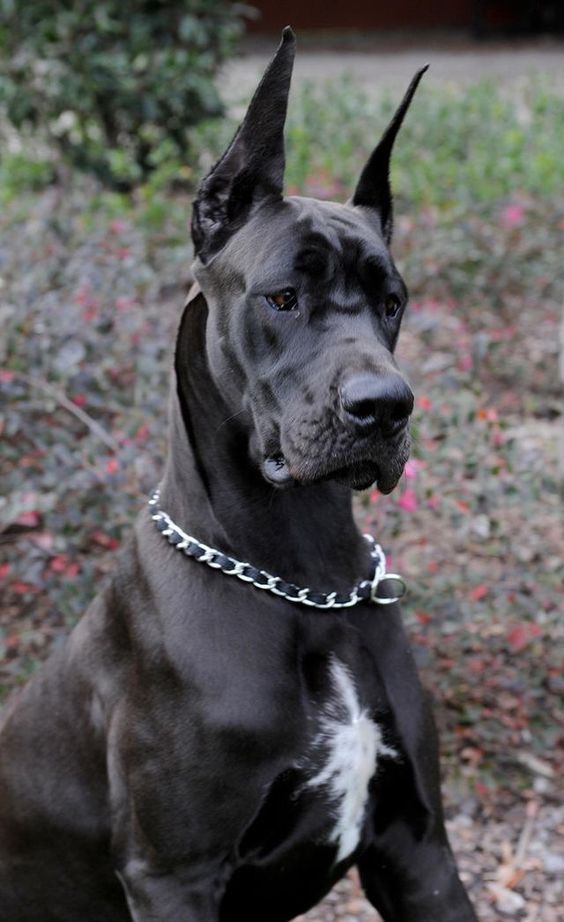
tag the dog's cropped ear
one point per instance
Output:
(373, 189)
(252, 167)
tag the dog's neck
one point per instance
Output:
(214, 491)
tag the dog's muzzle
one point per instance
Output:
(364, 441)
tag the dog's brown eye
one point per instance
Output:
(392, 305)
(285, 300)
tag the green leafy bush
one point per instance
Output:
(116, 84)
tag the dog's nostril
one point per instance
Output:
(362, 409)
(377, 400)
(400, 406)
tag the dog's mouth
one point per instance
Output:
(358, 474)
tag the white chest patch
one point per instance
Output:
(351, 744)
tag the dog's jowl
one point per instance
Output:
(236, 720)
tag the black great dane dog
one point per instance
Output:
(214, 749)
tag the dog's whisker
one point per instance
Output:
(230, 418)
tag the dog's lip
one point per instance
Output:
(358, 476)
(361, 476)
(359, 469)
(358, 472)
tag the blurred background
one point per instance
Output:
(109, 115)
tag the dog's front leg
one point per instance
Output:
(170, 872)
(160, 887)
(413, 879)
(182, 895)
(407, 868)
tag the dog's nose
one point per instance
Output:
(377, 401)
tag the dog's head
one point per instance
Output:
(305, 304)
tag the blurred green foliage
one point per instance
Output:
(459, 145)
(115, 85)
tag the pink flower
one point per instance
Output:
(82, 295)
(123, 303)
(512, 216)
(408, 501)
(412, 468)
(117, 226)
(28, 519)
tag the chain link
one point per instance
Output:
(367, 589)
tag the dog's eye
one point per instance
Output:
(285, 300)
(392, 305)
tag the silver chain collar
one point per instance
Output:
(367, 589)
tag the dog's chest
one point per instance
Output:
(343, 757)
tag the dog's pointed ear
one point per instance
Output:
(252, 167)
(373, 189)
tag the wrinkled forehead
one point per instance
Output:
(306, 236)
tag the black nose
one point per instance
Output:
(377, 401)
